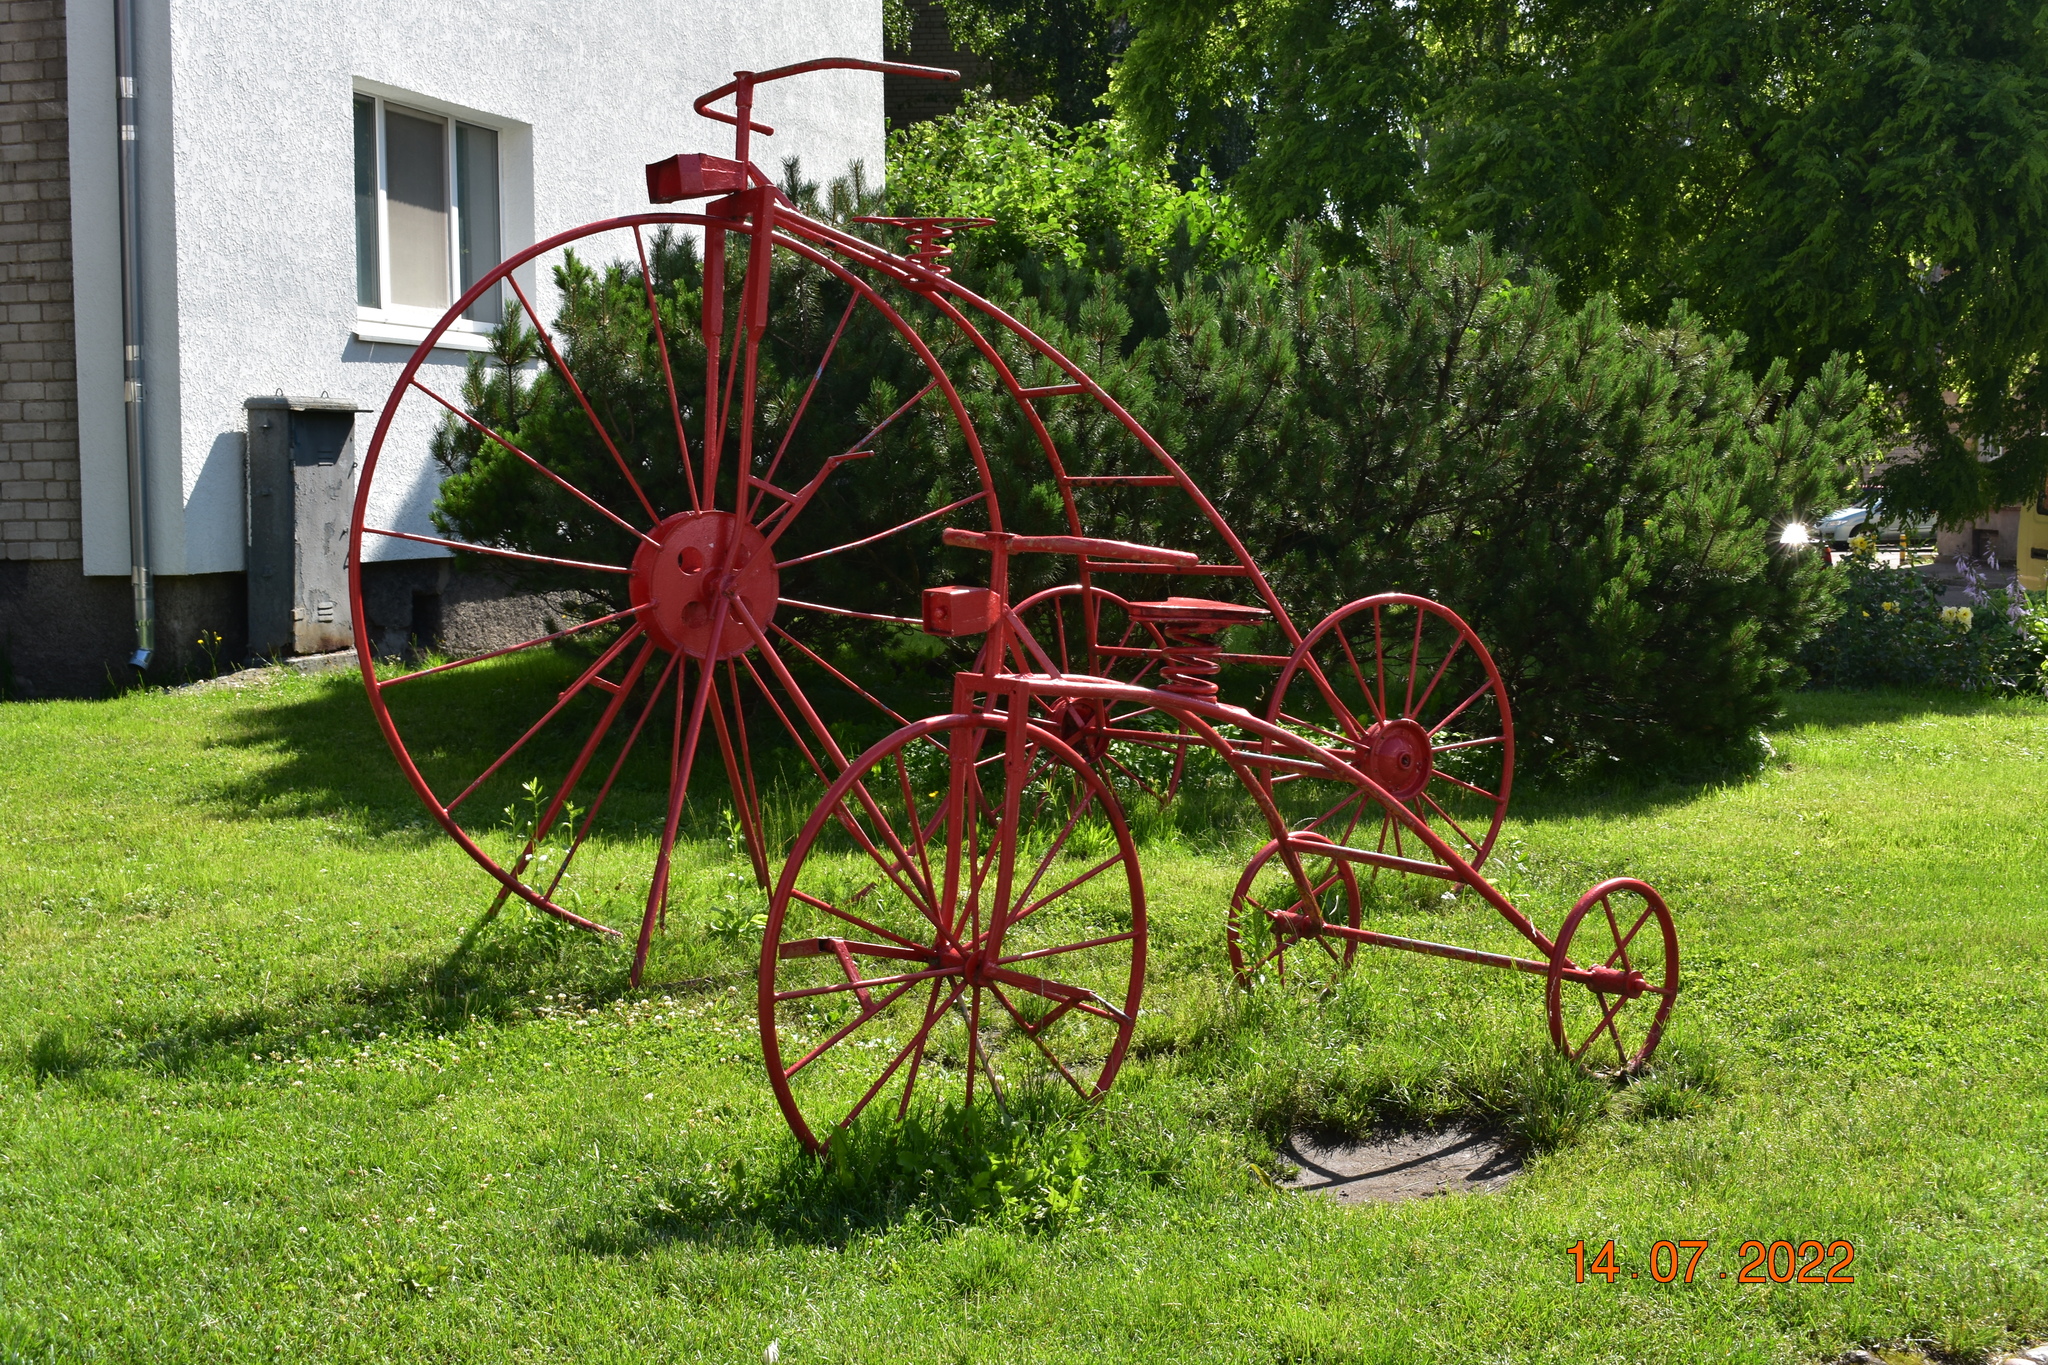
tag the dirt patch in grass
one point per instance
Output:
(1387, 1170)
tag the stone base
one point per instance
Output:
(63, 634)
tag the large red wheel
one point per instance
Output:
(1621, 934)
(691, 508)
(961, 916)
(1403, 690)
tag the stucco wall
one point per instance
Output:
(246, 137)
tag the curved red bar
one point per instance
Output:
(1067, 545)
(752, 78)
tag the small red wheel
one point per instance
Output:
(1273, 911)
(1401, 689)
(962, 912)
(1612, 988)
(1087, 630)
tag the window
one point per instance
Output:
(428, 213)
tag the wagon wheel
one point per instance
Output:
(683, 505)
(1275, 924)
(1401, 689)
(952, 925)
(1090, 630)
(1621, 926)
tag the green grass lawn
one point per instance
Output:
(252, 1109)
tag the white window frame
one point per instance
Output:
(409, 325)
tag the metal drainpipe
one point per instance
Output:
(139, 575)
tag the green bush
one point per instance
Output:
(1598, 499)
(1079, 194)
(1894, 632)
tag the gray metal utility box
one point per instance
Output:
(301, 472)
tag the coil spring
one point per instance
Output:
(931, 239)
(1191, 658)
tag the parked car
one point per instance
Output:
(1836, 528)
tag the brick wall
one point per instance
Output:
(39, 516)
(912, 99)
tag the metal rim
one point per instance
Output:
(1586, 1022)
(1252, 951)
(1338, 666)
(951, 926)
(643, 649)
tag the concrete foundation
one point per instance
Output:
(421, 604)
(63, 634)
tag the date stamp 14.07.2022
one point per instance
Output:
(1678, 1262)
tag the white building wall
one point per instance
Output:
(249, 253)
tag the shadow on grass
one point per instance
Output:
(1846, 709)
(1028, 1166)
(1624, 791)
(328, 754)
(522, 963)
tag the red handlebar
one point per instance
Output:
(743, 82)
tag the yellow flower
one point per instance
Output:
(1889, 606)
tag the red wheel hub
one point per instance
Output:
(1083, 723)
(1397, 756)
(684, 589)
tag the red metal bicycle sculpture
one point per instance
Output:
(964, 908)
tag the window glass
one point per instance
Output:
(369, 289)
(476, 214)
(416, 208)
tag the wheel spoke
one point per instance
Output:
(794, 605)
(850, 684)
(1423, 703)
(1379, 658)
(597, 802)
(803, 404)
(1358, 674)
(571, 489)
(818, 903)
(1459, 710)
(546, 823)
(1034, 1035)
(1466, 744)
(574, 690)
(870, 1013)
(1127, 771)
(1090, 875)
(897, 865)
(932, 1013)
(1621, 940)
(739, 777)
(678, 790)
(562, 369)
(508, 649)
(882, 535)
(921, 832)
(1414, 662)
(468, 548)
(1431, 802)
(1124, 937)
(1460, 782)
(668, 378)
(863, 984)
